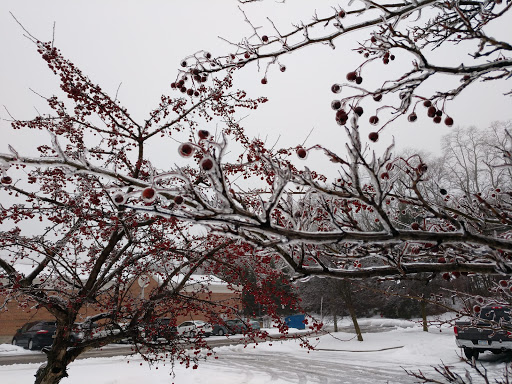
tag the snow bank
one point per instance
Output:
(339, 357)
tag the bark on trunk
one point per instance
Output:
(347, 297)
(423, 305)
(58, 358)
(55, 369)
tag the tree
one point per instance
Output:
(336, 298)
(475, 157)
(70, 244)
(317, 226)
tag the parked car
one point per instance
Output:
(254, 324)
(90, 329)
(161, 328)
(242, 326)
(487, 334)
(221, 330)
(83, 331)
(236, 326)
(194, 328)
(35, 335)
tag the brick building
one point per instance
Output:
(13, 316)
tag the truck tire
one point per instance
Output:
(470, 353)
(30, 345)
(220, 332)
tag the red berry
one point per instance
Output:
(190, 91)
(384, 176)
(427, 103)
(456, 274)
(119, 198)
(208, 55)
(203, 134)
(336, 104)
(336, 88)
(173, 85)
(415, 226)
(504, 283)
(446, 276)
(351, 76)
(448, 121)
(358, 110)
(186, 150)
(441, 260)
(341, 116)
(412, 117)
(422, 168)
(476, 309)
(359, 80)
(342, 14)
(178, 200)
(437, 119)
(183, 89)
(247, 55)
(206, 164)
(148, 193)
(183, 63)
(374, 120)
(264, 38)
(431, 111)
(264, 80)
(302, 153)
(377, 97)
(373, 136)
(282, 68)
(373, 39)
(6, 180)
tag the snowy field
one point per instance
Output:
(338, 358)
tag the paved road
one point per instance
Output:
(125, 350)
(108, 351)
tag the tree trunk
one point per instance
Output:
(58, 357)
(55, 369)
(347, 297)
(335, 319)
(354, 321)
(423, 305)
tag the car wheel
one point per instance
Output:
(191, 334)
(30, 345)
(220, 332)
(14, 342)
(470, 353)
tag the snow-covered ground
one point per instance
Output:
(338, 358)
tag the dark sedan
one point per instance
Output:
(35, 335)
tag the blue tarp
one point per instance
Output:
(295, 321)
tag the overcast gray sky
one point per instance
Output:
(141, 43)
